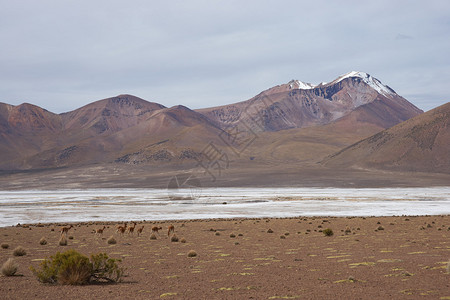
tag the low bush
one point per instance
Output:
(9, 268)
(43, 241)
(19, 251)
(174, 238)
(328, 232)
(192, 253)
(112, 240)
(63, 241)
(73, 268)
(6, 246)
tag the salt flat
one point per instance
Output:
(34, 206)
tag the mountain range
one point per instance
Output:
(354, 122)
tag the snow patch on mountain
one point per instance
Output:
(300, 85)
(368, 79)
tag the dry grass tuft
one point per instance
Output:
(270, 231)
(5, 246)
(153, 236)
(43, 241)
(174, 238)
(183, 240)
(19, 251)
(9, 268)
(192, 253)
(328, 232)
(112, 240)
(232, 235)
(63, 241)
(217, 233)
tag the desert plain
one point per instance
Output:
(401, 257)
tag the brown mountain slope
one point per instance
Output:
(419, 144)
(24, 130)
(165, 135)
(294, 106)
(127, 129)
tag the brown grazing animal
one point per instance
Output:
(131, 228)
(122, 229)
(156, 229)
(99, 231)
(171, 229)
(65, 230)
(139, 230)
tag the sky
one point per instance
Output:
(61, 55)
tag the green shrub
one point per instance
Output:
(105, 268)
(9, 268)
(328, 232)
(73, 268)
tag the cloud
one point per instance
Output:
(61, 55)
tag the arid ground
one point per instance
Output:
(366, 258)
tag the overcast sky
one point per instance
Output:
(61, 55)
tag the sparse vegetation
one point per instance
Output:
(6, 246)
(448, 267)
(19, 251)
(73, 268)
(232, 235)
(192, 253)
(63, 241)
(217, 233)
(328, 232)
(174, 238)
(112, 240)
(270, 231)
(380, 228)
(183, 240)
(282, 237)
(153, 236)
(43, 241)
(347, 230)
(9, 268)
(70, 237)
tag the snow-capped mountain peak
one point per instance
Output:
(300, 85)
(368, 79)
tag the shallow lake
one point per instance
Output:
(34, 206)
